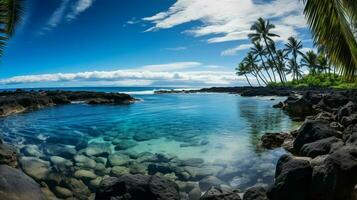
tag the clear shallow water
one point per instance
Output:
(222, 129)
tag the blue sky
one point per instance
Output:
(139, 43)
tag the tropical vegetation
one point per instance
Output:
(289, 65)
(10, 15)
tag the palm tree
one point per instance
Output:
(294, 69)
(263, 33)
(259, 51)
(10, 15)
(251, 61)
(332, 23)
(243, 70)
(322, 63)
(309, 60)
(281, 57)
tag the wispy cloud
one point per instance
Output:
(176, 48)
(235, 50)
(78, 8)
(146, 75)
(230, 20)
(56, 17)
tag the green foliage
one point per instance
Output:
(320, 81)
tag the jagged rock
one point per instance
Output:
(137, 187)
(350, 134)
(313, 130)
(320, 147)
(255, 193)
(8, 155)
(15, 185)
(346, 110)
(215, 193)
(292, 179)
(298, 107)
(335, 176)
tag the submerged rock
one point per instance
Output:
(8, 155)
(137, 187)
(98, 149)
(35, 167)
(32, 151)
(118, 159)
(210, 181)
(15, 185)
(79, 189)
(255, 193)
(63, 192)
(216, 193)
(274, 140)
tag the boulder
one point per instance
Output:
(85, 175)
(63, 192)
(255, 193)
(335, 176)
(346, 110)
(313, 130)
(32, 151)
(118, 159)
(84, 162)
(8, 155)
(349, 120)
(350, 134)
(137, 187)
(98, 149)
(195, 194)
(217, 193)
(209, 181)
(274, 140)
(299, 108)
(35, 167)
(15, 185)
(78, 188)
(320, 147)
(292, 179)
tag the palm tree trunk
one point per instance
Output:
(266, 69)
(248, 80)
(257, 73)
(272, 57)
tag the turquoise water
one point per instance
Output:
(222, 129)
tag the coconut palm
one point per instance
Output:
(262, 32)
(323, 64)
(10, 16)
(243, 70)
(309, 60)
(259, 51)
(251, 61)
(294, 69)
(332, 23)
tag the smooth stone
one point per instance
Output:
(49, 195)
(35, 167)
(8, 155)
(84, 161)
(15, 185)
(32, 151)
(98, 149)
(85, 175)
(195, 194)
(124, 144)
(118, 159)
(209, 181)
(64, 151)
(63, 192)
(137, 187)
(193, 162)
(95, 183)
(79, 189)
(119, 171)
(143, 137)
(61, 163)
(216, 193)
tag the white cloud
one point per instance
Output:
(56, 17)
(175, 73)
(78, 8)
(229, 20)
(234, 51)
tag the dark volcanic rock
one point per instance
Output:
(320, 147)
(216, 193)
(15, 185)
(292, 179)
(300, 108)
(350, 134)
(138, 187)
(8, 155)
(336, 177)
(274, 140)
(16, 102)
(313, 130)
(255, 193)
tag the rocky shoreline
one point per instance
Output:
(321, 165)
(21, 101)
